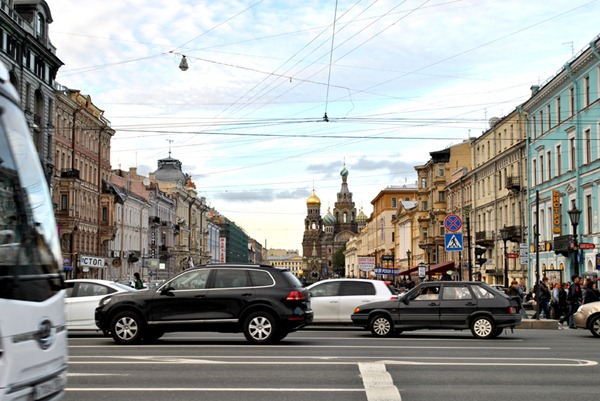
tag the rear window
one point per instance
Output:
(482, 293)
(291, 279)
(260, 278)
(357, 288)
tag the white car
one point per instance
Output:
(333, 301)
(83, 296)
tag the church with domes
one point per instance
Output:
(323, 236)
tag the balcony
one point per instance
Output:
(485, 238)
(154, 220)
(513, 183)
(69, 173)
(514, 233)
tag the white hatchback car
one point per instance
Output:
(334, 300)
(83, 296)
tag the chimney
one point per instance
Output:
(535, 89)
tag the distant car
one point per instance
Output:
(588, 317)
(83, 296)
(266, 303)
(333, 301)
(442, 305)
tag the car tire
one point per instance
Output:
(153, 335)
(381, 326)
(482, 327)
(595, 326)
(127, 328)
(261, 328)
(497, 332)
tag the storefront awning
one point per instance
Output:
(439, 268)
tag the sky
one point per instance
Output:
(395, 79)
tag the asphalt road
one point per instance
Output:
(339, 364)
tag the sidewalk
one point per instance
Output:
(541, 324)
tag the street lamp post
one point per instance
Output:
(505, 233)
(408, 252)
(574, 215)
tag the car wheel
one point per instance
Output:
(497, 332)
(381, 326)
(595, 326)
(153, 335)
(260, 328)
(126, 328)
(482, 327)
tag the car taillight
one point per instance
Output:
(512, 310)
(296, 296)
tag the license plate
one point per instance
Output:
(48, 387)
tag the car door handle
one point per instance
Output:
(470, 304)
(200, 296)
(433, 304)
(333, 302)
(246, 294)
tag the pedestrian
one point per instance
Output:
(137, 282)
(591, 294)
(559, 300)
(574, 298)
(543, 299)
(514, 292)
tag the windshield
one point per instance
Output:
(29, 249)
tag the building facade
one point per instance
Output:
(31, 60)
(563, 126)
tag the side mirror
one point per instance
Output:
(168, 290)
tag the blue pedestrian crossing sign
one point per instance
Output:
(454, 242)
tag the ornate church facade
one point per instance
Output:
(323, 236)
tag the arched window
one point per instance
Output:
(40, 26)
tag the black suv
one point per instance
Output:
(265, 303)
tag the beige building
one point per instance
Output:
(85, 202)
(498, 181)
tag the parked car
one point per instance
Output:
(588, 317)
(333, 301)
(265, 303)
(442, 305)
(82, 298)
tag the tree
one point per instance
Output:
(339, 261)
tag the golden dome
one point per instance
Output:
(313, 200)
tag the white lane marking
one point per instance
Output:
(422, 361)
(378, 383)
(217, 389)
(220, 346)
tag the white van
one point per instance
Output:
(33, 335)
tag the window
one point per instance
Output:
(558, 160)
(549, 116)
(572, 102)
(587, 138)
(586, 91)
(331, 289)
(542, 168)
(349, 288)
(394, 202)
(573, 149)
(104, 214)
(441, 170)
(423, 182)
(549, 162)
(500, 179)
(534, 172)
(541, 122)
(535, 133)
(588, 213)
(452, 293)
(442, 196)
(558, 110)
(64, 202)
(424, 206)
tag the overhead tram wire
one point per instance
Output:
(325, 118)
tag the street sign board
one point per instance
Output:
(586, 245)
(512, 255)
(454, 242)
(452, 222)
(366, 263)
(422, 272)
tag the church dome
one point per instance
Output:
(313, 200)
(344, 172)
(169, 170)
(361, 219)
(329, 218)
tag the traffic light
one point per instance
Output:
(479, 256)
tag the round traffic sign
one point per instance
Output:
(452, 222)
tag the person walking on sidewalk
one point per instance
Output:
(574, 298)
(543, 299)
